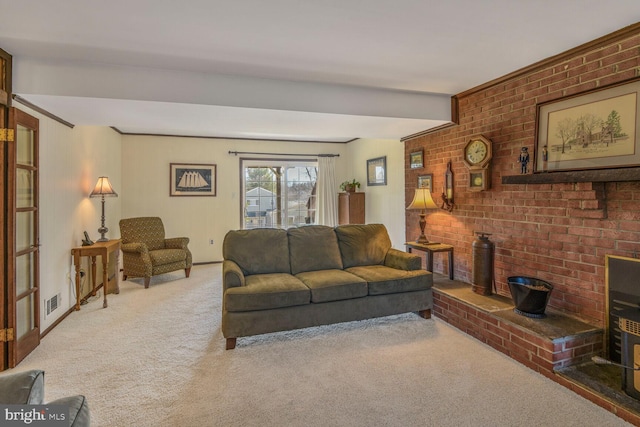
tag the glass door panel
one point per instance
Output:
(278, 193)
(22, 237)
(25, 314)
(25, 147)
(24, 273)
(24, 188)
(24, 231)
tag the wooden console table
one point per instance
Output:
(430, 249)
(104, 250)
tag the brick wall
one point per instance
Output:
(555, 232)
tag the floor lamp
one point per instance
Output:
(103, 189)
(422, 200)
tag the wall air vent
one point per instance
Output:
(53, 303)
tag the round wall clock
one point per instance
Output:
(477, 152)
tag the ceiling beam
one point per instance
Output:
(35, 76)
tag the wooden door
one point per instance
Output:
(5, 103)
(23, 242)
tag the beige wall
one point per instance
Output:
(70, 162)
(384, 204)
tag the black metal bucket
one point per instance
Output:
(530, 295)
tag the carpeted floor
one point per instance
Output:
(156, 357)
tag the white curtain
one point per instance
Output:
(326, 192)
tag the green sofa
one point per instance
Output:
(277, 280)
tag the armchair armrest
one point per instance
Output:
(176, 243)
(402, 260)
(232, 276)
(136, 247)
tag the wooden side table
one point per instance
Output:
(430, 249)
(105, 251)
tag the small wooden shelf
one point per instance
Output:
(600, 175)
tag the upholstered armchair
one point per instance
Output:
(146, 252)
(27, 388)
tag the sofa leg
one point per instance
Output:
(425, 314)
(231, 343)
(147, 280)
(187, 271)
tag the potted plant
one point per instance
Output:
(350, 186)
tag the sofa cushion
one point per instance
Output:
(314, 247)
(167, 256)
(363, 244)
(333, 285)
(266, 291)
(258, 251)
(385, 280)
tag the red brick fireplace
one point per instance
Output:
(559, 232)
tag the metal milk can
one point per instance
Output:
(482, 275)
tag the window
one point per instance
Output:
(278, 193)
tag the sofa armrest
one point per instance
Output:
(232, 276)
(79, 414)
(402, 260)
(139, 248)
(22, 388)
(176, 243)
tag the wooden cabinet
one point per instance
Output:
(351, 208)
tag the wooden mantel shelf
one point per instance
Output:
(600, 175)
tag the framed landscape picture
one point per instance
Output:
(597, 129)
(377, 171)
(416, 159)
(426, 181)
(192, 179)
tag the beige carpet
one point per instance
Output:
(156, 357)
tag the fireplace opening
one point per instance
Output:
(623, 293)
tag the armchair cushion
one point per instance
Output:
(166, 256)
(149, 230)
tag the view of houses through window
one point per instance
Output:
(279, 193)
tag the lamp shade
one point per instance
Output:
(422, 200)
(103, 188)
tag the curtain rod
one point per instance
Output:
(283, 154)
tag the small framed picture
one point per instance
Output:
(416, 160)
(426, 181)
(377, 171)
(192, 179)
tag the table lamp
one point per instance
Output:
(422, 200)
(103, 189)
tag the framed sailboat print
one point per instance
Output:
(192, 179)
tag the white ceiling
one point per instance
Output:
(282, 69)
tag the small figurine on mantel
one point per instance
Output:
(524, 160)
